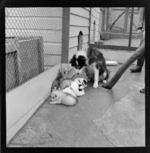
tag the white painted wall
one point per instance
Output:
(79, 21)
(39, 21)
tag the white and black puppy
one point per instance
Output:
(93, 58)
(81, 82)
(68, 96)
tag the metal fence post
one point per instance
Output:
(131, 24)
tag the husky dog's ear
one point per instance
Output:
(73, 61)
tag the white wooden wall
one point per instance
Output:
(95, 16)
(79, 21)
(40, 21)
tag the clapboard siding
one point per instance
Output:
(78, 20)
(48, 35)
(72, 51)
(73, 42)
(50, 60)
(85, 45)
(74, 30)
(80, 11)
(34, 23)
(35, 12)
(39, 21)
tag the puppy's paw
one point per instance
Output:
(95, 85)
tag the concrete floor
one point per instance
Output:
(62, 126)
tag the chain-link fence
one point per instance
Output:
(33, 42)
(119, 28)
(34, 38)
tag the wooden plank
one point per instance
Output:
(65, 33)
(34, 12)
(52, 48)
(48, 35)
(72, 51)
(33, 23)
(51, 60)
(80, 11)
(76, 20)
(74, 30)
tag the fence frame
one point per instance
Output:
(12, 45)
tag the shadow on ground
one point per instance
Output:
(83, 124)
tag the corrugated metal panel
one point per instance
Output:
(48, 35)
(80, 11)
(35, 11)
(33, 23)
(74, 31)
(76, 20)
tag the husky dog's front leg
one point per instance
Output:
(96, 77)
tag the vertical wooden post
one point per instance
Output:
(103, 19)
(126, 20)
(65, 35)
(107, 19)
(89, 26)
(131, 24)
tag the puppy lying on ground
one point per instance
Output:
(67, 96)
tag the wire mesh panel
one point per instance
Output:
(24, 60)
(119, 29)
(33, 42)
